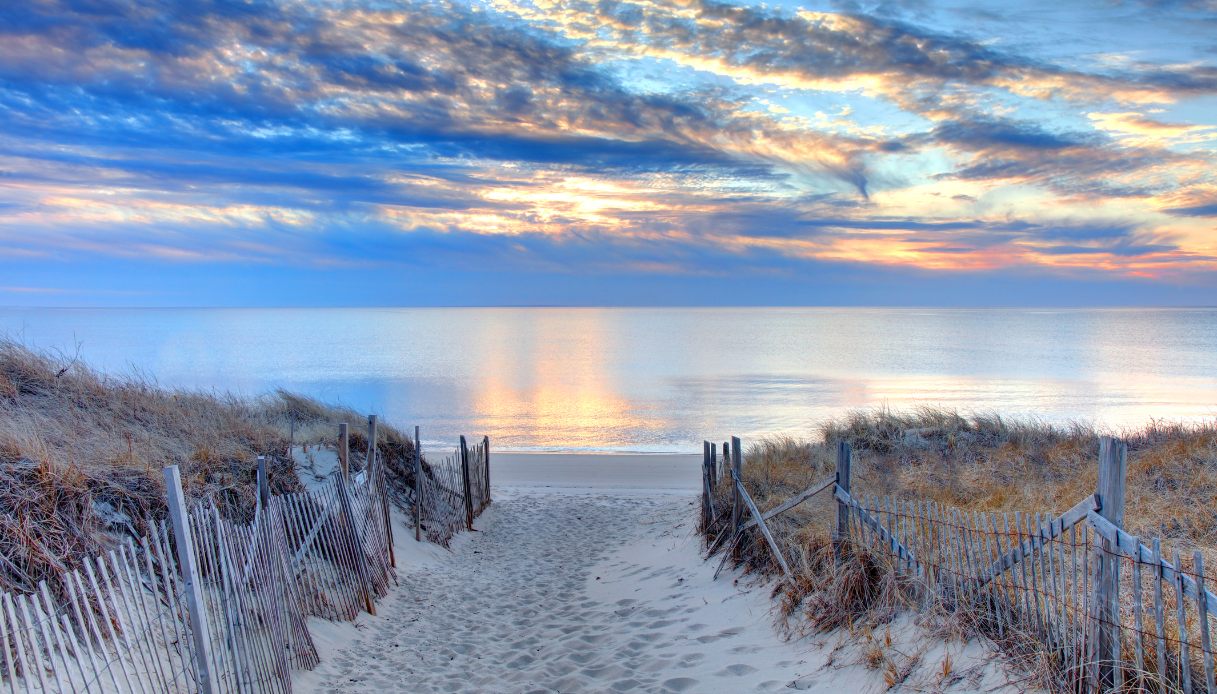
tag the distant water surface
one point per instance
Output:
(661, 379)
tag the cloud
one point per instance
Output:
(1204, 210)
(659, 136)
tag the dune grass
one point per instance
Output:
(985, 462)
(980, 462)
(81, 455)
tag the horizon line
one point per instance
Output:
(216, 307)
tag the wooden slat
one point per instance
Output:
(1185, 660)
(311, 536)
(1202, 612)
(1140, 552)
(1138, 619)
(126, 603)
(792, 501)
(773, 545)
(736, 474)
(957, 551)
(61, 643)
(999, 589)
(418, 489)
(1159, 607)
(870, 520)
(32, 638)
(1076, 597)
(965, 539)
(1056, 598)
(1089, 654)
(1063, 522)
(942, 546)
(108, 620)
(190, 577)
(356, 546)
(46, 624)
(76, 595)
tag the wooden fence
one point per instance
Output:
(453, 492)
(206, 604)
(1105, 610)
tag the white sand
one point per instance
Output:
(586, 576)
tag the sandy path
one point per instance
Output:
(576, 583)
(569, 592)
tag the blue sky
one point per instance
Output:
(528, 152)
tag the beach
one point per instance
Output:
(586, 575)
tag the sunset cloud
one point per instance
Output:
(656, 137)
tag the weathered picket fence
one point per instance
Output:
(1108, 612)
(454, 491)
(206, 604)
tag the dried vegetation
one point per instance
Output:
(981, 463)
(81, 455)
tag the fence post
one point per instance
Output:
(370, 459)
(201, 652)
(486, 451)
(344, 450)
(418, 489)
(737, 504)
(1113, 470)
(844, 459)
(263, 482)
(705, 484)
(713, 466)
(467, 484)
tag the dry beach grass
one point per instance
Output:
(985, 462)
(81, 454)
(981, 463)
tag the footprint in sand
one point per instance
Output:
(517, 608)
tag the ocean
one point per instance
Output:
(660, 379)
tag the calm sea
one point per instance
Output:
(660, 379)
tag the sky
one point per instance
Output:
(616, 152)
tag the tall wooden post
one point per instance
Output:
(201, 653)
(705, 484)
(486, 451)
(737, 504)
(370, 460)
(263, 483)
(418, 488)
(467, 484)
(713, 466)
(344, 450)
(844, 459)
(1113, 471)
